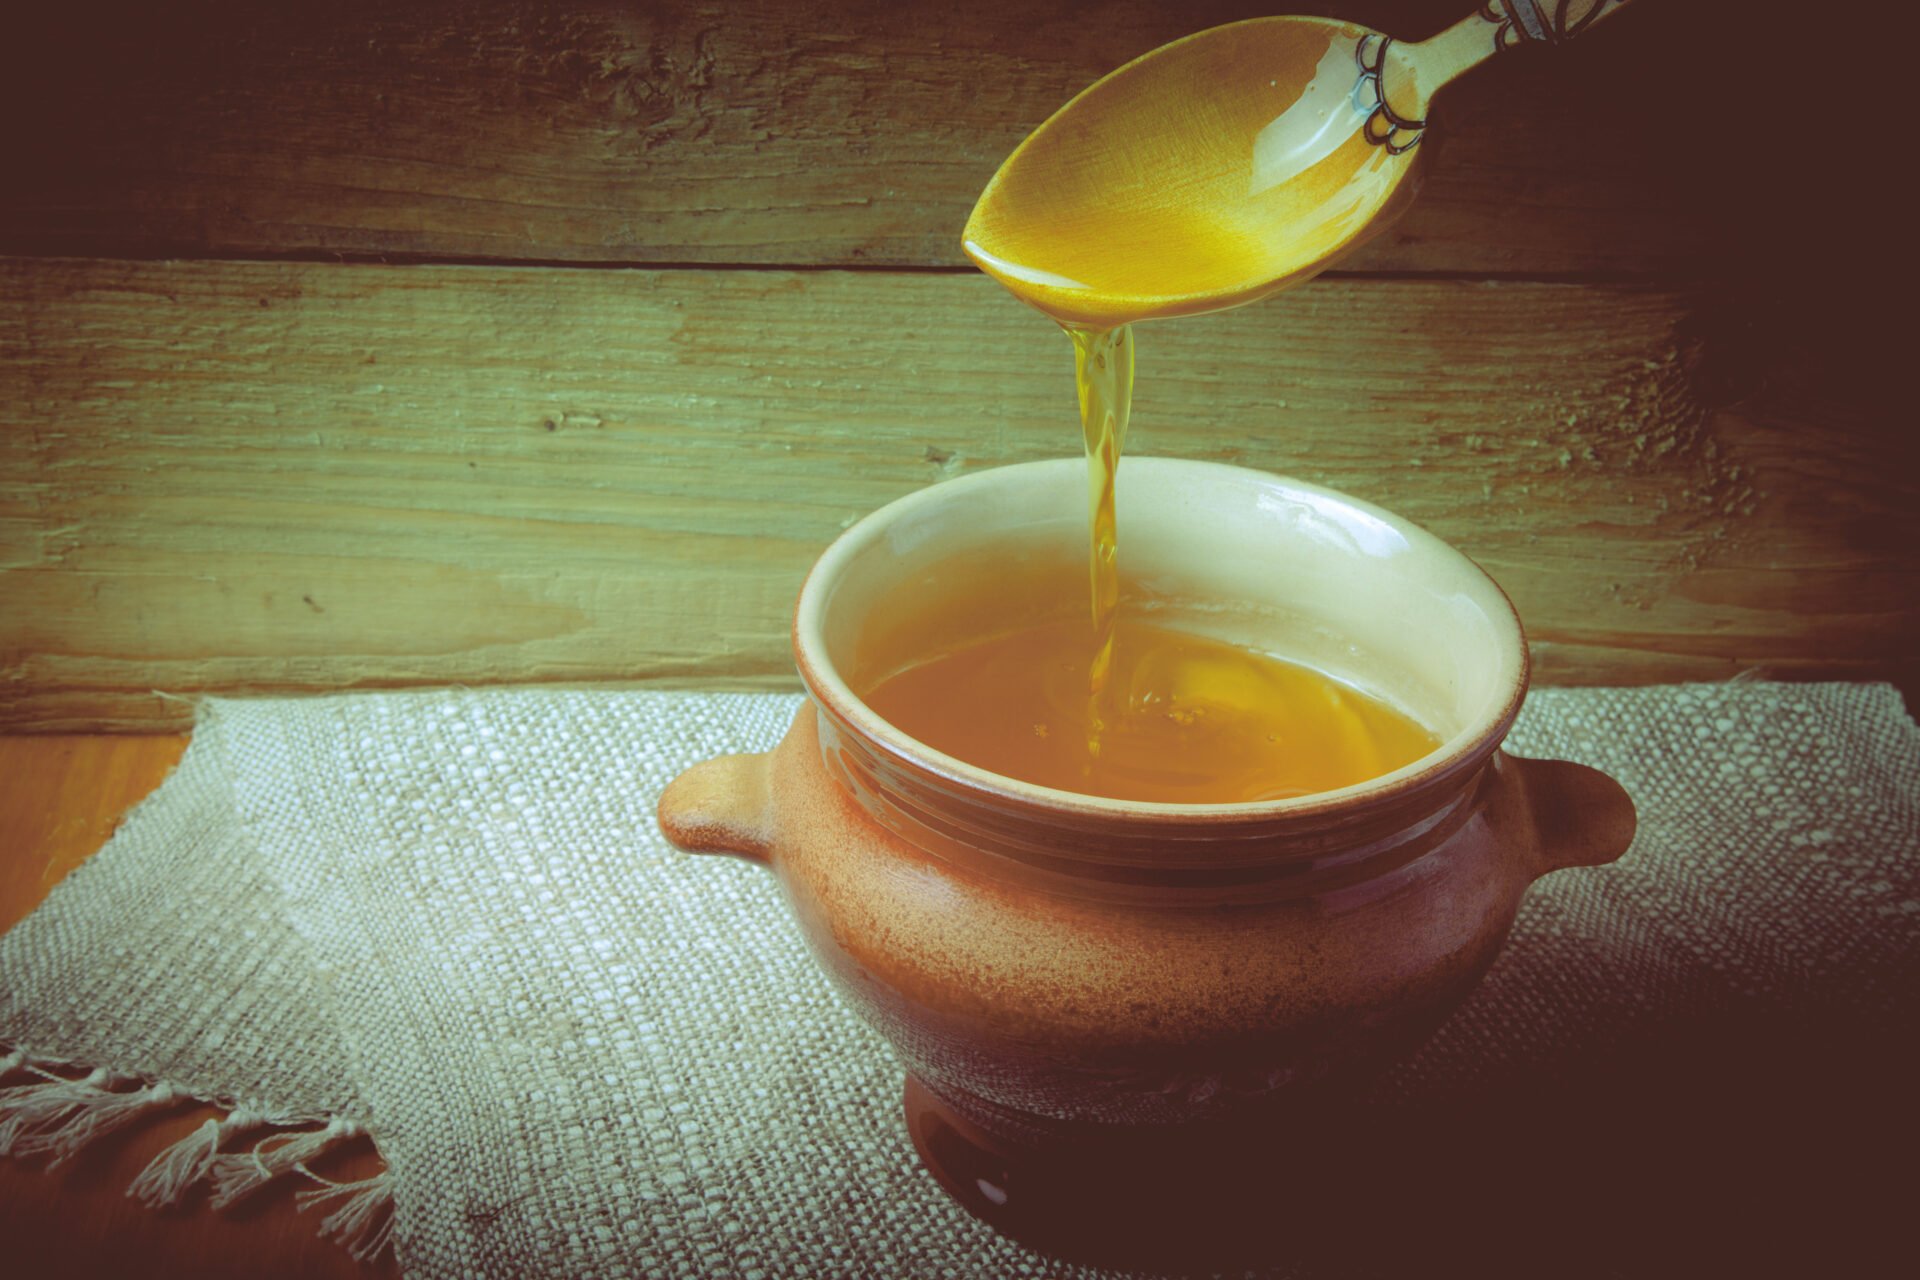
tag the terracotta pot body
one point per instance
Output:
(1058, 970)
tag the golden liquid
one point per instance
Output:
(1125, 208)
(1103, 374)
(1187, 720)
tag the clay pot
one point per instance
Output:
(1061, 973)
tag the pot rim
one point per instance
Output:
(1454, 759)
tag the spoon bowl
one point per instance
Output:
(1229, 164)
(1204, 175)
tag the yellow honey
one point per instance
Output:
(1184, 719)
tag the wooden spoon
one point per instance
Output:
(1229, 164)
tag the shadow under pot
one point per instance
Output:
(1097, 999)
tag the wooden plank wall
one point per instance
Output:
(368, 345)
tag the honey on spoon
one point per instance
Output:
(1230, 164)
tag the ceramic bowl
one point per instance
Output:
(1065, 973)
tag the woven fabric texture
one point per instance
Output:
(450, 918)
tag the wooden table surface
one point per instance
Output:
(61, 797)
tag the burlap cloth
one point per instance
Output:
(449, 919)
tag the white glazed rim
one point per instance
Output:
(1476, 739)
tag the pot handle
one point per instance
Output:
(722, 805)
(1581, 816)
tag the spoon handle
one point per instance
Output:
(1499, 25)
(1518, 22)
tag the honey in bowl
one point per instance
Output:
(1180, 718)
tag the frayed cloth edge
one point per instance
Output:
(55, 1113)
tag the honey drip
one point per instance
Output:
(1103, 375)
(1187, 719)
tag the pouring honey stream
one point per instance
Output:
(1103, 377)
(1209, 173)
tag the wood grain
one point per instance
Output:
(231, 476)
(60, 799)
(821, 132)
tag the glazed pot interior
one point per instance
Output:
(1278, 565)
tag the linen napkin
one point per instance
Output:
(449, 920)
